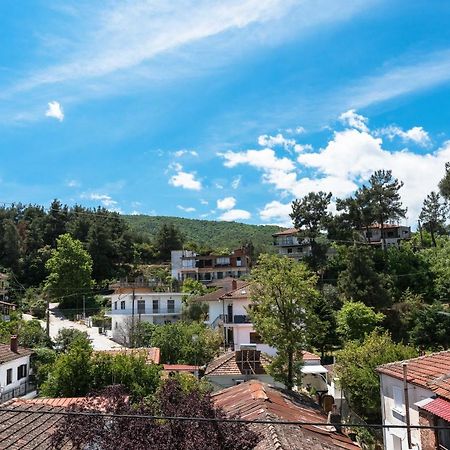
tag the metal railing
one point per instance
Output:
(19, 391)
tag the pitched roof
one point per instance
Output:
(430, 372)
(222, 290)
(180, 368)
(6, 354)
(308, 356)
(226, 365)
(289, 231)
(259, 401)
(242, 292)
(26, 430)
(151, 354)
(438, 407)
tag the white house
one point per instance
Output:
(288, 243)
(132, 305)
(14, 370)
(392, 234)
(228, 309)
(417, 390)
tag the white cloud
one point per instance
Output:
(218, 185)
(186, 209)
(105, 200)
(416, 134)
(274, 141)
(235, 214)
(277, 212)
(236, 182)
(54, 109)
(354, 120)
(185, 180)
(226, 203)
(73, 183)
(302, 147)
(180, 153)
(261, 159)
(204, 202)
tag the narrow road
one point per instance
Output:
(58, 321)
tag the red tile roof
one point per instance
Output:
(242, 292)
(6, 354)
(430, 372)
(180, 368)
(226, 365)
(254, 400)
(222, 290)
(288, 232)
(308, 356)
(26, 430)
(439, 407)
(151, 354)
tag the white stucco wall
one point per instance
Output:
(393, 417)
(13, 365)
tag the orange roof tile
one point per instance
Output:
(430, 371)
(255, 400)
(226, 365)
(6, 354)
(289, 231)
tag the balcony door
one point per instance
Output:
(230, 313)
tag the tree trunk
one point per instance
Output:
(433, 240)
(290, 377)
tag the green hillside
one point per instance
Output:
(209, 233)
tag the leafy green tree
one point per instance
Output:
(67, 336)
(434, 215)
(70, 375)
(167, 239)
(281, 294)
(356, 367)
(70, 270)
(132, 371)
(55, 222)
(42, 363)
(31, 334)
(192, 308)
(431, 327)
(311, 217)
(360, 281)
(383, 199)
(444, 184)
(356, 320)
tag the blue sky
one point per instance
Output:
(220, 110)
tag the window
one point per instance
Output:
(170, 306)
(219, 275)
(122, 304)
(223, 261)
(255, 338)
(115, 305)
(155, 304)
(116, 325)
(397, 443)
(141, 306)
(397, 395)
(238, 261)
(21, 371)
(289, 250)
(9, 376)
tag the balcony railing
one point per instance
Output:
(237, 318)
(147, 311)
(19, 391)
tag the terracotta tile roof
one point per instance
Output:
(151, 354)
(26, 430)
(222, 291)
(308, 356)
(254, 400)
(242, 292)
(438, 407)
(430, 372)
(6, 354)
(61, 402)
(180, 368)
(289, 231)
(226, 365)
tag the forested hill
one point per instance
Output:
(209, 233)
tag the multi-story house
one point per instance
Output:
(208, 268)
(416, 392)
(131, 305)
(3, 287)
(14, 370)
(288, 243)
(392, 234)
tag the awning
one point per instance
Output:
(314, 368)
(438, 407)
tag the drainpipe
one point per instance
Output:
(406, 394)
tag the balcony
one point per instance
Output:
(146, 312)
(19, 391)
(237, 319)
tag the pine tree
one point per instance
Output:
(433, 214)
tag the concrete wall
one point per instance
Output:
(391, 416)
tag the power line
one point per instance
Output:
(223, 420)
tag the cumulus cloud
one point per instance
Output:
(277, 212)
(261, 159)
(186, 208)
(226, 203)
(185, 180)
(105, 200)
(354, 120)
(180, 153)
(273, 141)
(235, 214)
(54, 109)
(415, 134)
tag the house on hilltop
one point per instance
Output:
(417, 389)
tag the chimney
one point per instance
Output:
(234, 284)
(13, 344)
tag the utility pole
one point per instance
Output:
(406, 395)
(132, 318)
(84, 307)
(421, 234)
(48, 316)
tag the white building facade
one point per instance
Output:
(14, 370)
(143, 305)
